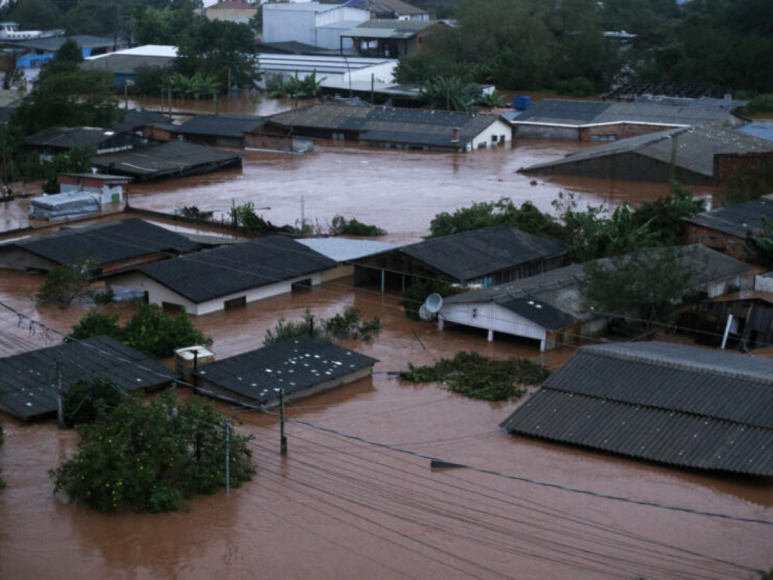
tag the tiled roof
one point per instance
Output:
(674, 404)
(736, 220)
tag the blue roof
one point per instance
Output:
(757, 129)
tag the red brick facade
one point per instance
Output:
(726, 243)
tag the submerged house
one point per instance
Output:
(482, 257)
(391, 38)
(115, 247)
(229, 277)
(28, 380)
(680, 405)
(300, 367)
(732, 323)
(412, 129)
(344, 251)
(705, 155)
(219, 130)
(56, 140)
(550, 308)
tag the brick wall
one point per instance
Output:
(726, 165)
(726, 243)
(619, 131)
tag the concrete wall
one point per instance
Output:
(500, 129)
(763, 284)
(285, 25)
(158, 294)
(15, 258)
(547, 132)
(491, 316)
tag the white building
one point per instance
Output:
(319, 25)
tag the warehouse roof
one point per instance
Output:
(391, 29)
(386, 7)
(670, 403)
(28, 380)
(105, 242)
(554, 300)
(125, 64)
(174, 158)
(70, 137)
(293, 365)
(220, 125)
(738, 219)
(52, 43)
(215, 273)
(134, 119)
(480, 252)
(589, 113)
(345, 249)
(696, 148)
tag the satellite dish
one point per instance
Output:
(425, 314)
(434, 303)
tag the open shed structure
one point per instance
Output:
(28, 380)
(669, 403)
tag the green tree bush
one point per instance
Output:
(448, 94)
(76, 160)
(414, 295)
(480, 377)
(665, 214)
(340, 226)
(152, 456)
(87, 401)
(759, 246)
(493, 213)
(348, 325)
(68, 283)
(2, 439)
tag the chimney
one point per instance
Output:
(455, 138)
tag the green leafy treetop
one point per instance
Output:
(152, 456)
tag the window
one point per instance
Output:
(494, 139)
(172, 308)
(239, 302)
(304, 284)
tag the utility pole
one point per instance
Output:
(303, 213)
(283, 437)
(60, 396)
(372, 88)
(227, 428)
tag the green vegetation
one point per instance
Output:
(152, 456)
(759, 247)
(645, 287)
(66, 284)
(766, 574)
(309, 87)
(348, 325)
(448, 94)
(493, 213)
(340, 226)
(665, 214)
(2, 439)
(415, 295)
(86, 401)
(480, 377)
(77, 160)
(189, 87)
(150, 331)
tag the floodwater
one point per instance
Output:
(336, 508)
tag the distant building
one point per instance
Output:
(218, 130)
(231, 10)
(116, 247)
(549, 307)
(300, 367)
(391, 9)
(40, 51)
(569, 120)
(107, 188)
(28, 380)
(81, 193)
(680, 405)
(704, 155)
(482, 257)
(56, 140)
(726, 228)
(229, 277)
(630, 91)
(345, 251)
(126, 64)
(311, 23)
(413, 129)
(390, 38)
(741, 323)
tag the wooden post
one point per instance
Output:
(283, 437)
(60, 396)
(372, 88)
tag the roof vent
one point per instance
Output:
(190, 358)
(455, 138)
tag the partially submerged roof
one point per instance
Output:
(125, 64)
(390, 29)
(70, 137)
(175, 158)
(757, 129)
(478, 253)
(63, 204)
(569, 113)
(107, 178)
(28, 380)
(669, 403)
(220, 125)
(293, 365)
(134, 119)
(384, 124)
(736, 220)
(696, 148)
(105, 242)
(215, 273)
(345, 249)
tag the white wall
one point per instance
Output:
(283, 25)
(157, 293)
(497, 128)
(491, 316)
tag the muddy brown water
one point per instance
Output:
(337, 508)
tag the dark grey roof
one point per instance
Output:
(757, 129)
(174, 158)
(105, 242)
(136, 118)
(583, 113)
(696, 148)
(481, 252)
(126, 64)
(53, 43)
(28, 380)
(293, 365)
(558, 290)
(394, 29)
(70, 137)
(384, 124)
(662, 402)
(736, 220)
(220, 125)
(215, 273)
(294, 47)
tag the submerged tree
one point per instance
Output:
(65, 284)
(448, 94)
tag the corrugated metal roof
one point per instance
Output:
(215, 273)
(52, 44)
(344, 249)
(70, 137)
(736, 220)
(484, 251)
(106, 242)
(28, 380)
(539, 312)
(136, 118)
(293, 365)
(663, 402)
(387, 8)
(757, 129)
(696, 148)
(396, 29)
(126, 64)
(220, 125)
